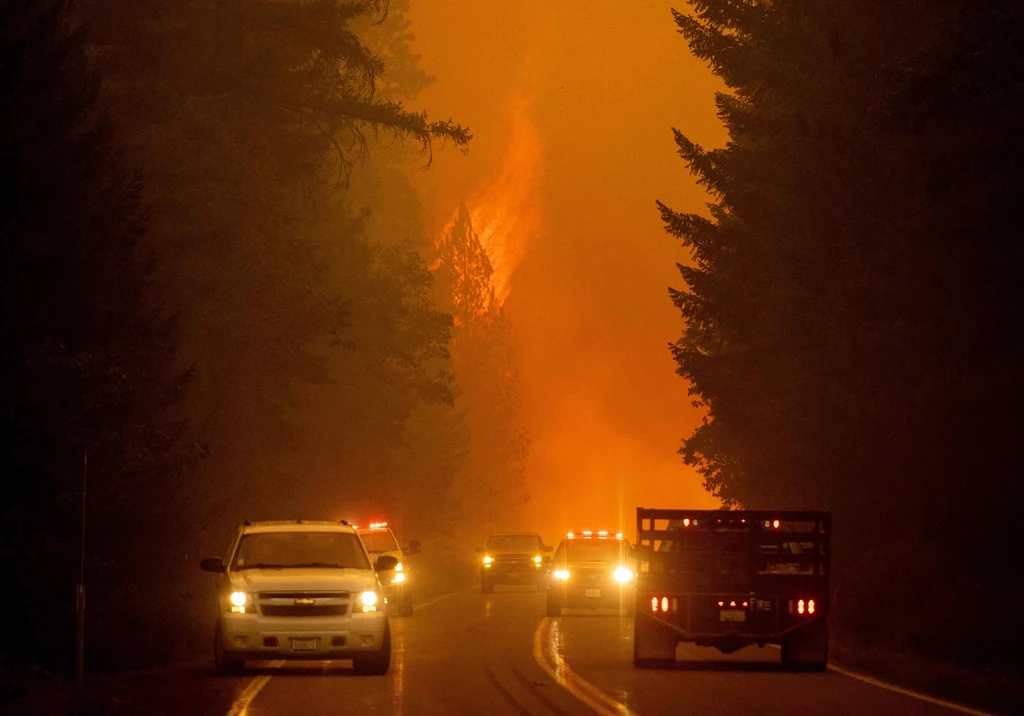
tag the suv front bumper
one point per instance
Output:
(517, 572)
(591, 595)
(257, 637)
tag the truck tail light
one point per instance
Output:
(803, 607)
(664, 605)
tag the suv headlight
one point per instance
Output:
(240, 603)
(623, 575)
(562, 574)
(368, 601)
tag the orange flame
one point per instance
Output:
(506, 210)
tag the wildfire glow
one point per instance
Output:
(505, 211)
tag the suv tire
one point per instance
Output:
(405, 609)
(223, 662)
(376, 664)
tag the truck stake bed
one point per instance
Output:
(731, 578)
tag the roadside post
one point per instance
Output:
(80, 594)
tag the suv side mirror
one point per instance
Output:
(640, 552)
(413, 548)
(385, 563)
(212, 564)
(548, 548)
(478, 550)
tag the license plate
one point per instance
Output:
(591, 592)
(732, 615)
(304, 644)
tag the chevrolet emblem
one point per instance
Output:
(304, 602)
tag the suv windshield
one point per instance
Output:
(379, 541)
(515, 543)
(269, 550)
(587, 551)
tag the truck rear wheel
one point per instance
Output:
(654, 646)
(807, 648)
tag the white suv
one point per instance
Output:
(300, 590)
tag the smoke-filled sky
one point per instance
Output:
(572, 107)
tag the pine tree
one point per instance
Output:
(465, 271)
(87, 355)
(490, 482)
(847, 301)
(247, 119)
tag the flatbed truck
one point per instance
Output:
(729, 579)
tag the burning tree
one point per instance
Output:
(487, 380)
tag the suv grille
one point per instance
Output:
(304, 610)
(304, 604)
(304, 595)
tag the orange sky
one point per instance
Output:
(572, 108)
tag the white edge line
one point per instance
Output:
(907, 692)
(564, 676)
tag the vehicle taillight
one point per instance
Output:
(664, 604)
(803, 606)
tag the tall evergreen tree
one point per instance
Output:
(849, 291)
(86, 355)
(247, 118)
(490, 482)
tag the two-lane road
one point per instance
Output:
(469, 653)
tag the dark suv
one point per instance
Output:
(513, 559)
(591, 570)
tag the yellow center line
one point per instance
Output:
(563, 675)
(240, 707)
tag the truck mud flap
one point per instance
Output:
(654, 643)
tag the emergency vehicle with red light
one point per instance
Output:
(729, 579)
(590, 570)
(380, 541)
